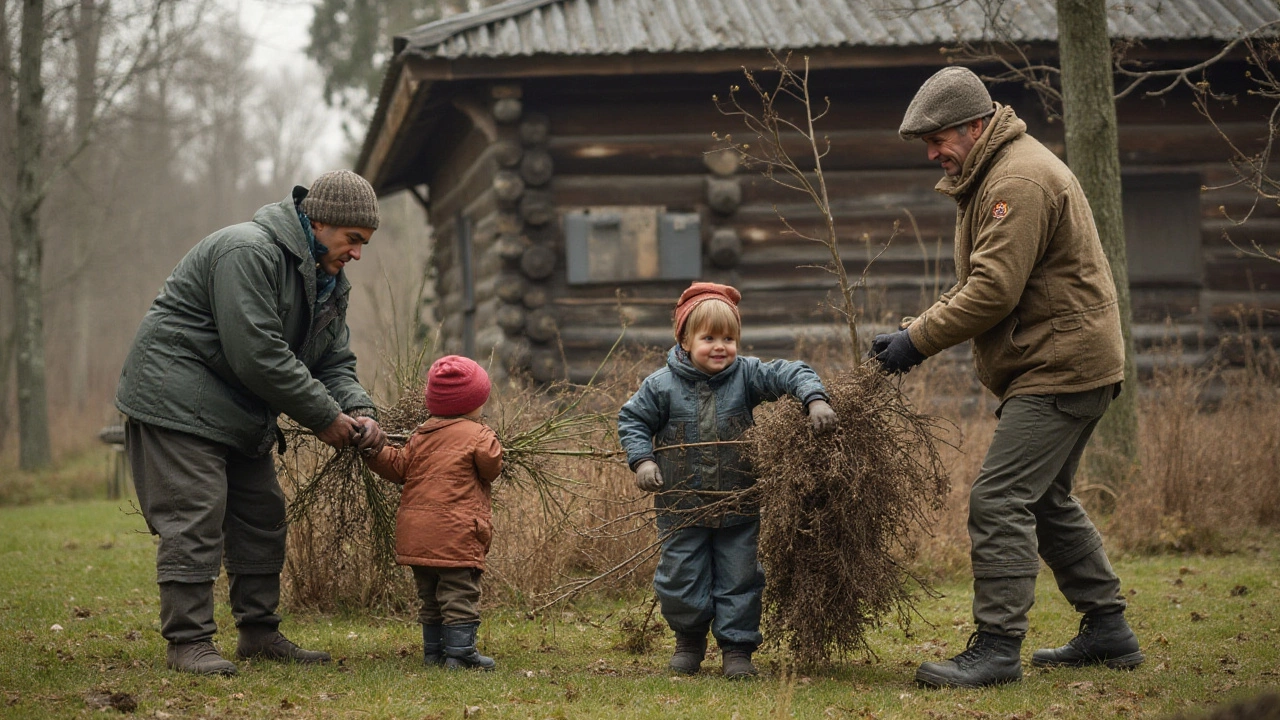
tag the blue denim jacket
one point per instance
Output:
(680, 404)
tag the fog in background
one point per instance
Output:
(202, 113)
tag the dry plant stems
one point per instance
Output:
(342, 540)
(773, 128)
(1253, 169)
(342, 506)
(839, 514)
(1208, 478)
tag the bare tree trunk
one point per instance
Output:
(24, 227)
(1089, 116)
(88, 34)
(7, 335)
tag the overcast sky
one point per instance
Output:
(280, 29)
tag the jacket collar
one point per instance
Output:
(680, 364)
(281, 220)
(433, 424)
(1005, 127)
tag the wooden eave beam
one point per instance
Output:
(408, 93)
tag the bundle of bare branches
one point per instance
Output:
(838, 514)
(344, 514)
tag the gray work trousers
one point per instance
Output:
(1021, 510)
(210, 505)
(448, 595)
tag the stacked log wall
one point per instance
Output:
(644, 141)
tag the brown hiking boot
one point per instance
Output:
(198, 658)
(261, 641)
(737, 664)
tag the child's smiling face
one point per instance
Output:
(710, 351)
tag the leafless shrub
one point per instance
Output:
(837, 514)
(1210, 436)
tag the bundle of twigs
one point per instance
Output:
(342, 540)
(336, 489)
(838, 513)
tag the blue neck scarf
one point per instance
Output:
(324, 281)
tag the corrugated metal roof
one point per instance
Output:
(618, 27)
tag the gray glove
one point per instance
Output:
(822, 417)
(648, 478)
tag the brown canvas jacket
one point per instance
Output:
(447, 469)
(1034, 292)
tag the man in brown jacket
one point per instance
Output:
(1034, 294)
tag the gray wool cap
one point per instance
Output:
(342, 198)
(952, 96)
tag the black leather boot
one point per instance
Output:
(988, 659)
(433, 644)
(1104, 639)
(460, 648)
(691, 649)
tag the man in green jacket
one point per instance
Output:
(1036, 298)
(250, 324)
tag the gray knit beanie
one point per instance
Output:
(342, 198)
(953, 96)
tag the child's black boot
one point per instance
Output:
(690, 651)
(432, 644)
(736, 661)
(460, 648)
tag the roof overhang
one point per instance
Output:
(413, 98)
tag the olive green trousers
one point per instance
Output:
(1021, 510)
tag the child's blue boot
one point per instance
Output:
(460, 648)
(432, 644)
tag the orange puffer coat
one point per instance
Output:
(447, 469)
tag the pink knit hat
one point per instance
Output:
(700, 292)
(455, 386)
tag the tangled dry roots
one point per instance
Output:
(837, 514)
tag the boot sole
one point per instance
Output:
(927, 679)
(290, 660)
(225, 672)
(1123, 662)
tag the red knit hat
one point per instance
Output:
(699, 293)
(455, 386)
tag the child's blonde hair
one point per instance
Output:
(712, 315)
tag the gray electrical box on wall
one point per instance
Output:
(620, 243)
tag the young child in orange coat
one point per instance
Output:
(443, 525)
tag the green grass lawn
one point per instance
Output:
(1210, 627)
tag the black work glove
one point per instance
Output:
(895, 352)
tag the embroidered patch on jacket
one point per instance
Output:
(1000, 210)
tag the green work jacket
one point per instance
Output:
(234, 339)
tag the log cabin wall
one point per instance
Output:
(529, 152)
(493, 217)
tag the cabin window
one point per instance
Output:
(619, 244)
(1162, 230)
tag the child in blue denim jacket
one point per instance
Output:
(708, 576)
